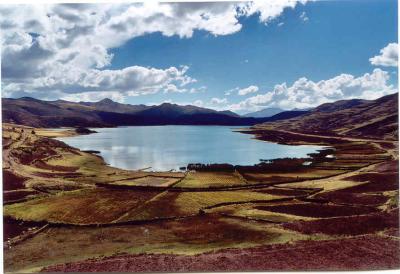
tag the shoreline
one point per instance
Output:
(70, 132)
(324, 143)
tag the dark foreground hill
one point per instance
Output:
(355, 118)
(107, 113)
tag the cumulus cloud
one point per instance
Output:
(268, 10)
(305, 93)
(65, 48)
(242, 91)
(213, 103)
(388, 57)
(130, 81)
(249, 89)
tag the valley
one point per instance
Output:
(335, 209)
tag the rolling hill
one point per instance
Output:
(354, 118)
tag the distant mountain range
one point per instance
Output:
(107, 113)
(356, 118)
(364, 118)
(267, 112)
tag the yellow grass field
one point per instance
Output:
(211, 179)
(250, 212)
(148, 181)
(87, 206)
(178, 204)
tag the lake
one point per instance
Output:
(170, 147)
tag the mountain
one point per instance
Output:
(174, 110)
(107, 113)
(340, 105)
(109, 105)
(353, 118)
(267, 112)
(37, 113)
(274, 112)
(230, 113)
(358, 118)
(287, 115)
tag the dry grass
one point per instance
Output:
(178, 204)
(165, 174)
(87, 206)
(349, 225)
(192, 201)
(19, 194)
(62, 132)
(279, 177)
(317, 210)
(327, 184)
(148, 181)
(193, 235)
(189, 236)
(210, 179)
(250, 211)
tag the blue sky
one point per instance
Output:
(329, 41)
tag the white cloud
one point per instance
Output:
(306, 93)
(388, 57)
(303, 16)
(131, 81)
(268, 10)
(173, 88)
(213, 103)
(198, 103)
(229, 92)
(253, 103)
(198, 89)
(65, 48)
(249, 89)
(218, 101)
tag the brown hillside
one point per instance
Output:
(351, 118)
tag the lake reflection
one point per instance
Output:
(170, 147)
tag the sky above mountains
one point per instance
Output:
(240, 56)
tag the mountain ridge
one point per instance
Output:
(107, 113)
(355, 117)
(266, 112)
(352, 118)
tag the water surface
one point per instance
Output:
(171, 147)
